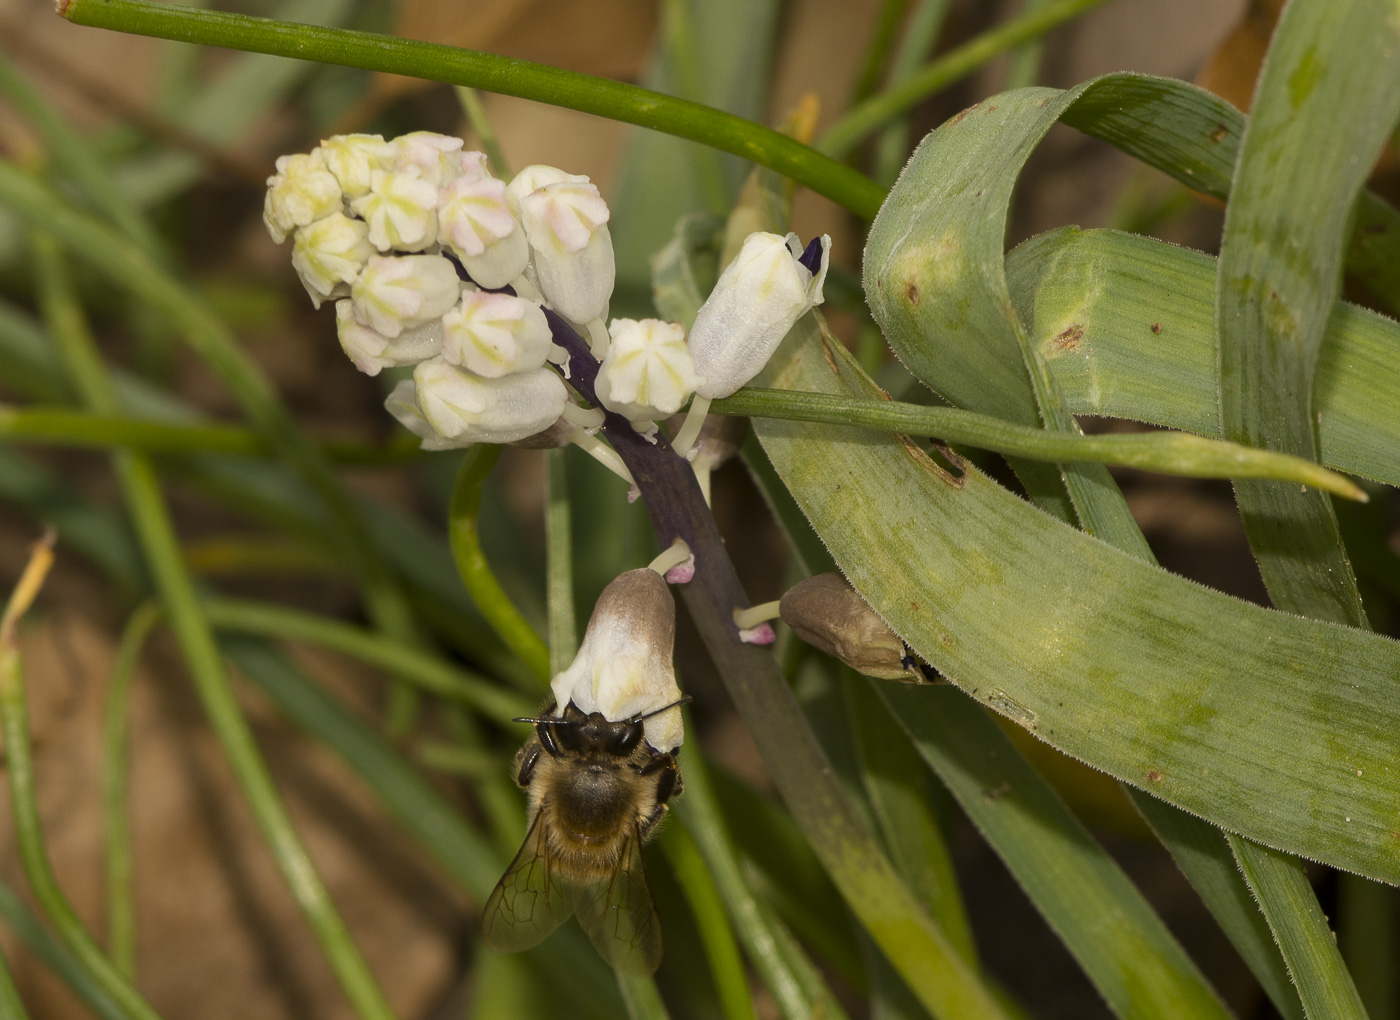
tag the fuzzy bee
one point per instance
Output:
(599, 774)
(597, 791)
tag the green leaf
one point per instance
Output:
(1127, 326)
(1327, 99)
(1095, 909)
(1253, 719)
(1308, 945)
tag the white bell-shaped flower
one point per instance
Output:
(571, 250)
(352, 158)
(400, 208)
(300, 193)
(648, 372)
(496, 334)
(624, 667)
(372, 351)
(433, 154)
(475, 222)
(402, 403)
(467, 407)
(394, 293)
(759, 297)
(532, 178)
(329, 254)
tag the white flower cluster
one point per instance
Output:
(383, 228)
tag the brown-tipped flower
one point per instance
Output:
(624, 667)
(827, 613)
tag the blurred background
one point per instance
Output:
(217, 936)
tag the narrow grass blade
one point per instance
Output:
(1327, 99)
(1309, 947)
(116, 765)
(36, 938)
(1155, 451)
(25, 807)
(1115, 935)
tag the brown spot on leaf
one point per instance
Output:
(995, 793)
(917, 454)
(911, 292)
(1156, 327)
(1154, 776)
(1068, 339)
(958, 116)
(1218, 135)
(946, 640)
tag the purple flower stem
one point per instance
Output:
(796, 761)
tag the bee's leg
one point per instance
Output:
(646, 827)
(668, 783)
(525, 760)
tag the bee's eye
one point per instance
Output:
(629, 738)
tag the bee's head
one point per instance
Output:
(590, 733)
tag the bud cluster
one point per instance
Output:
(419, 246)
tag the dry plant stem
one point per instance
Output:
(790, 750)
(28, 831)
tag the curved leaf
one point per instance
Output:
(1268, 725)
(1127, 326)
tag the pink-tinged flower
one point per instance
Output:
(329, 254)
(565, 220)
(395, 293)
(648, 372)
(624, 667)
(352, 158)
(771, 284)
(300, 193)
(401, 210)
(463, 406)
(495, 334)
(476, 223)
(372, 351)
(435, 156)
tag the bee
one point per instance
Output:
(597, 792)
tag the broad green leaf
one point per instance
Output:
(1254, 720)
(1127, 325)
(1093, 907)
(1327, 99)
(1194, 136)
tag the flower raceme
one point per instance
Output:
(420, 246)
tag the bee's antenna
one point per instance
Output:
(548, 720)
(686, 700)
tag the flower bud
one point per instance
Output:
(571, 250)
(476, 223)
(759, 297)
(372, 351)
(399, 292)
(827, 613)
(300, 193)
(329, 254)
(352, 158)
(401, 210)
(623, 668)
(433, 154)
(462, 406)
(402, 403)
(648, 372)
(495, 334)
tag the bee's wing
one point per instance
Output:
(619, 915)
(530, 900)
